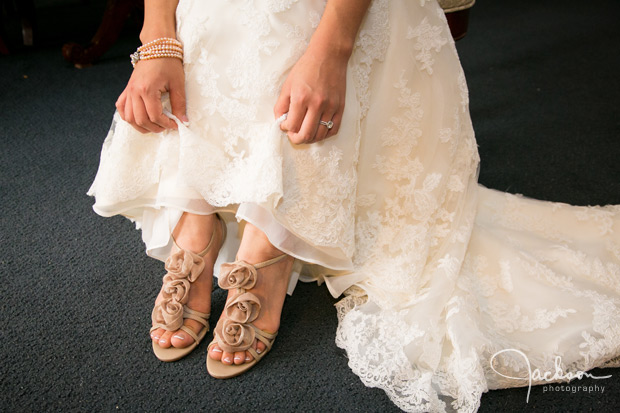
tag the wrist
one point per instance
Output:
(159, 20)
(334, 47)
(147, 35)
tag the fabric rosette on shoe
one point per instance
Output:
(168, 314)
(183, 267)
(244, 308)
(238, 274)
(235, 332)
(185, 264)
(234, 336)
(175, 289)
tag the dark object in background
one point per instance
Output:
(458, 22)
(114, 17)
(17, 19)
(457, 14)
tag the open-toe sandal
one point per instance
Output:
(184, 267)
(235, 332)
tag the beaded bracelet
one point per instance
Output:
(158, 48)
(161, 41)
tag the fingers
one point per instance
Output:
(155, 116)
(140, 103)
(177, 100)
(141, 117)
(283, 103)
(322, 130)
(311, 130)
(335, 116)
(145, 115)
(302, 123)
(309, 127)
(120, 104)
(129, 115)
(337, 119)
(305, 110)
(292, 124)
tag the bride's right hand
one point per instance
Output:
(140, 103)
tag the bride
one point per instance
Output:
(267, 142)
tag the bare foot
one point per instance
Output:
(270, 289)
(193, 233)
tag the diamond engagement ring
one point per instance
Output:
(329, 124)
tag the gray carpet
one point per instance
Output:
(77, 289)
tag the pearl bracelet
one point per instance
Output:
(161, 41)
(158, 48)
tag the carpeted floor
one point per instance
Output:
(77, 289)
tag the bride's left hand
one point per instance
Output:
(313, 91)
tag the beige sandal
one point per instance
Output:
(236, 332)
(184, 267)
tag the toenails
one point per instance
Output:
(181, 340)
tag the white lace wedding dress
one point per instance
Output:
(439, 273)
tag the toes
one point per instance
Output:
(215, 353)
(248, 356)
(239, 357)
(260, 347)
(181, 339)
(227, 358)
(156, 334)
(164, 340)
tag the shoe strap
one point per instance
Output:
(202, 318)
(266, 338)
(249, 282)
(269, 262)
(191, 333)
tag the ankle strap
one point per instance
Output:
(269, 262)
(241, 274)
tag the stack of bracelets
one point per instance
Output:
(158, 48)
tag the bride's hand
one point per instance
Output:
(140, 103)
(313, 91)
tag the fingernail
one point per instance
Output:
(227, 359)
(184, 119)
(238, 358)
(162, 341)
(216, 350)
(178, 337)
(154, 337)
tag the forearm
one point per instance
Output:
(159, 19)
(339, 25)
